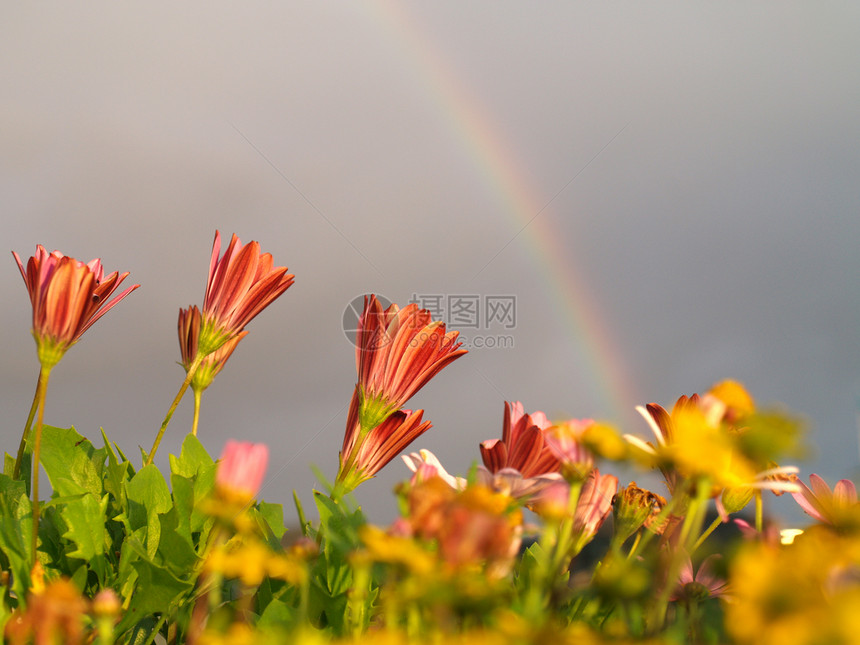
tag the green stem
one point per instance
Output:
(44, 375)
(190, 375)
(565, 534)
(198, 396)
(708, 531)
(636, 541)
(759, 512)
(691, 526)
(17, 471)
(151, 638)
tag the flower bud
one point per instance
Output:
(634, 508)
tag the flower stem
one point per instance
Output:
(691, 526)
(44, 375)
(565, 538)
(17, 471)
(704, 536)
(759, 512)
(198, 396)
(188, 376)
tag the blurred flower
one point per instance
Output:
(593, 506)
(396, 549)
(190, 322)
(365, 453)
(241, 284)
(805, 593)
(107, 604)
(425, 465)
(506, 481)
(769, 534)
(662, 425)
(397, 352)
(52, 615)
(697, 441)
(778, 480)
(552, 501)
(241, 470)
(511, 482)
(737, 402)
(837, 507)
(68, 296)
(523, 445)
(566, 442)
(701, 586)
(475, 527)
(251, 561)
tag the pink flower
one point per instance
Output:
(523, 445)
(837, 507)
(511, 482)
(594, 504)
(241, 470)
(701, 586)
(565, 442)
(241, 284)
(68, 296)
(425, 464)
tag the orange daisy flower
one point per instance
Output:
(365, 453)
(68, 297)
(241, 284)
(397, 352)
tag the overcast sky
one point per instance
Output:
(669, 191)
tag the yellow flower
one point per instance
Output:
(392, 549)
(251, 561)
(806, 592)
(701, 448)
(733, 395)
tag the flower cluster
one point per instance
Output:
(397, 352)
(534, 542)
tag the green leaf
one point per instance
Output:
(204, 483)
(148, 495)
(26, 467)
(339, 528)
(183, 498)
(85, 518)
(192, 458)
(174, 550)
(156, 592)
(118, 472)
(534, 559)
(277, 614)
(15, 534)
(72, 464)
(188, 495)
(11, 489)
(273, 514)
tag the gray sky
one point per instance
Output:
(669, 190)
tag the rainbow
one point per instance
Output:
(495, 161)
